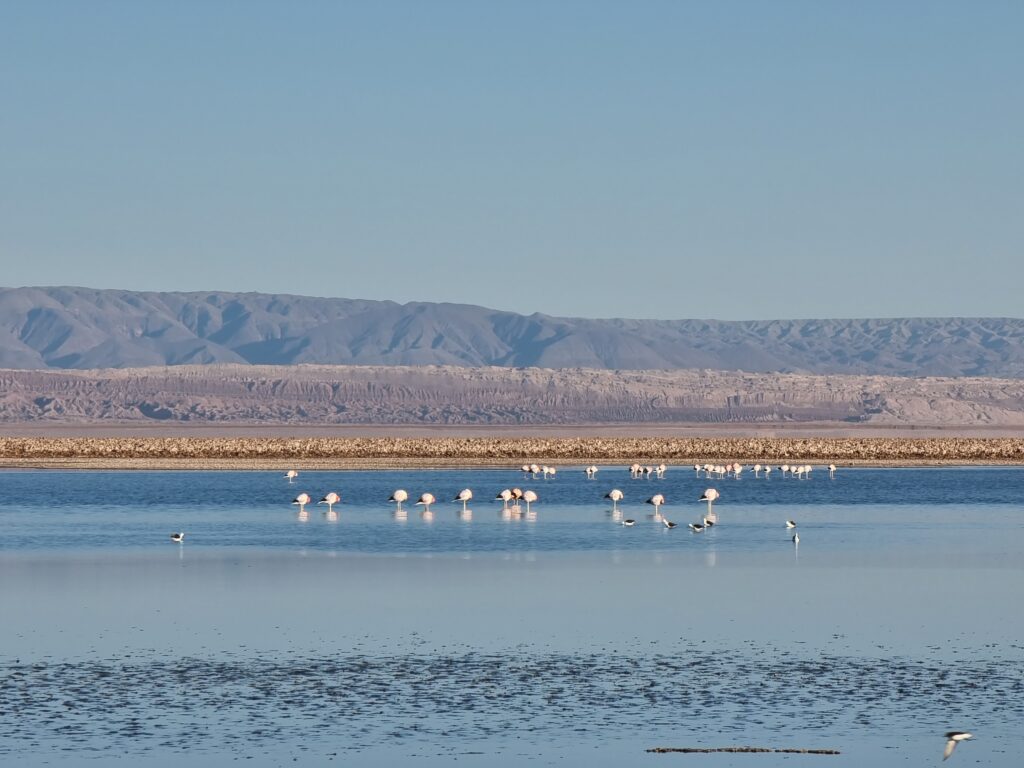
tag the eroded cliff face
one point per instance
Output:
(493, 395)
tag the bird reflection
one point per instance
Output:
(465, 515)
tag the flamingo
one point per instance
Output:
(710, 496)
(330, 500)
(425, 501)
(660, 470)
(831, 471)
(302, 500)
(590, 472)
(656, 500)
(757, 470)
(696, 469)
(398, 497)
(767, 471)
(784, 468)
(534, 470)
(615, 495)
(464, 496)
(528, 497)
(178, 538)
(506, 497)
(291, 474)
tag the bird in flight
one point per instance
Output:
(952, 739)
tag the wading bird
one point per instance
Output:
(330, 500)
(464, 496)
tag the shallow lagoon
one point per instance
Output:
(566, 640)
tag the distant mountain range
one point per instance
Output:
(87, 328)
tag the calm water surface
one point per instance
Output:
(368, 639)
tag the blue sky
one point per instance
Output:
(731, 160)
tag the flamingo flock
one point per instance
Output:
(510, 498)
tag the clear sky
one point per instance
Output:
(731, 160)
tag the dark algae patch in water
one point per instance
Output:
(450, 701)
(751, 750)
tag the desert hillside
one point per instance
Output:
(436, 395)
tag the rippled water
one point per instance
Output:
(489, 639)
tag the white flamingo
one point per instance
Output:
(710, 496)
(615, 495)
(534, 471)
(464, 496)
(784, 469)
(656, 501)
(529, 497)
(505, 496)
(425, 501)
(757, 470)
(831, 471)
(330, 500)
(767, 470)
(398, 497)
(291, 474)
(590, 471)
(302, 500)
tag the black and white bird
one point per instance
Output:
(796, 538)
(791, 524)
(697, 527)
(668, 523)
(708, 522)
(629, 522)
(952, 739)
(179, 537)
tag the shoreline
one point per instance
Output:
(508, 452)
